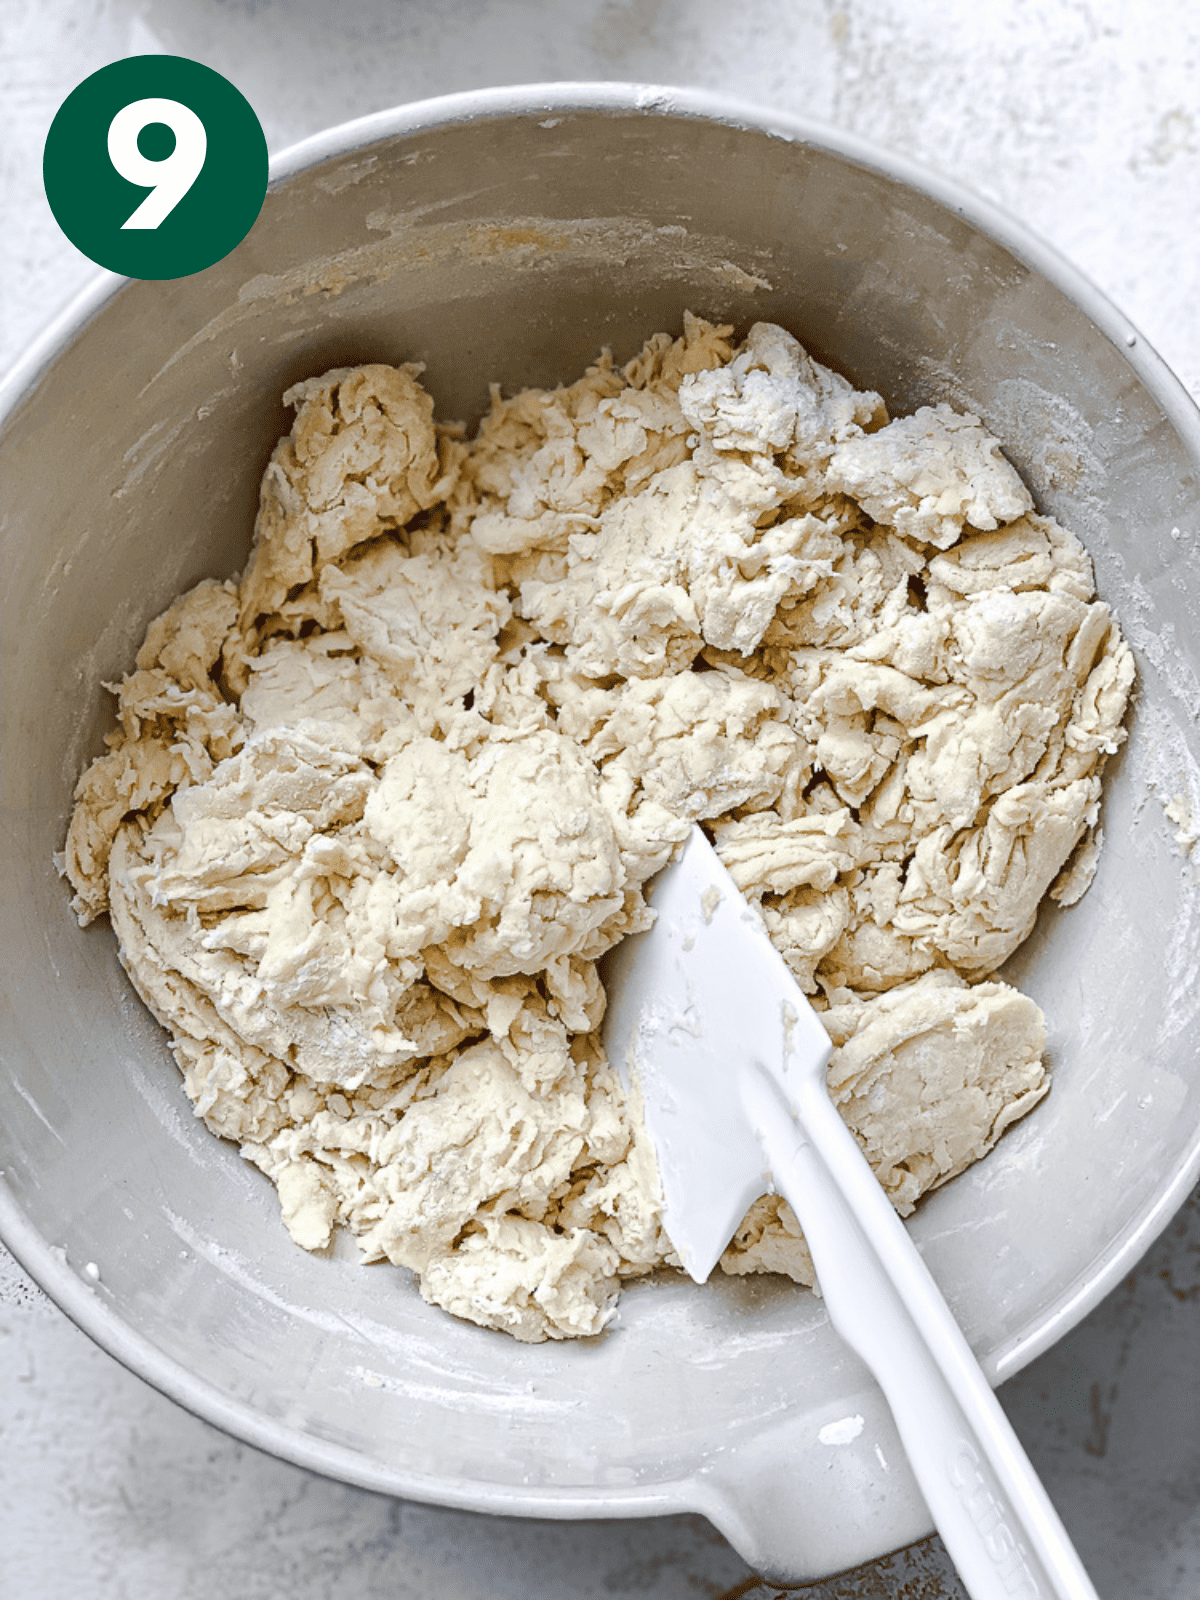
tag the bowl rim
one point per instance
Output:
(47, 1265)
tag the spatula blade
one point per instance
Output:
(695, 1003)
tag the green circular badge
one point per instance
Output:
(155, 167)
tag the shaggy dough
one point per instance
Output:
(373, 812)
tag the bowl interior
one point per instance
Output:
(511, 246)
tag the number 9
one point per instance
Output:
(169, 179)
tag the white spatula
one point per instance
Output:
(731, 1063)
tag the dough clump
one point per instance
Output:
(373, 811)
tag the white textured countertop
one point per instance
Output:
(1082, 119)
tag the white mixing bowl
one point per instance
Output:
(508, 235)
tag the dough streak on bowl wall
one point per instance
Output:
(374, 811)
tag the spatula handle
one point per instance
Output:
(993, 1514)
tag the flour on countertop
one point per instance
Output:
(374, 811)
